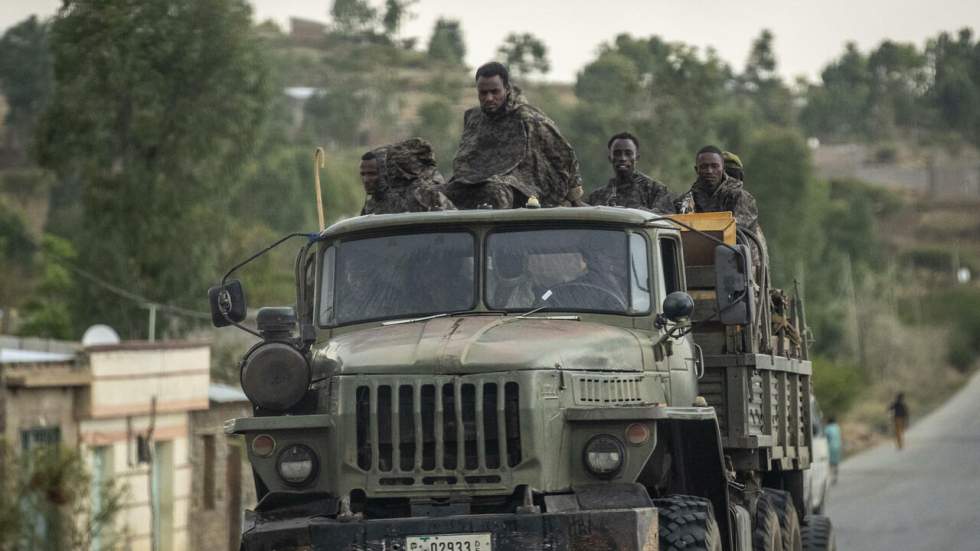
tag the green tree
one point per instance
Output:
(524, 54)
(396, 11)
(46, 314)
(26, 77)
(446, 43)
(955, 93)
(771, 99)
(838, 106)
(667, 94)
(778, 173)
(353, 16)
(155, 108)
(53, 481)
(438, 122)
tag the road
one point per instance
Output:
(926, 496)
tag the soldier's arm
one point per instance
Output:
(745, 210)
(560, 155)
(661, 199)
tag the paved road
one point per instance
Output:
(926, 496)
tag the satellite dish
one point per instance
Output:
(99, 335)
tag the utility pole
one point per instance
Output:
(852, 307)
(152, 332)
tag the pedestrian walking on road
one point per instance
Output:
(834, 445)
(900, 418)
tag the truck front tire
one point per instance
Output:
(687, 523)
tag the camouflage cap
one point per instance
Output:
(731, 159)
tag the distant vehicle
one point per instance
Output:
(563, 378)
(817, 478)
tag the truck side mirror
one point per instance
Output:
(227, 303)
(734, 291)
(678, 306)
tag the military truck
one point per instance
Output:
(563, 378)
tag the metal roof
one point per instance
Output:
(597, 215)
(225, 394)
(15, 356)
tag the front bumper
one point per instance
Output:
(612, 530)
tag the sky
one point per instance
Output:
(809, 33)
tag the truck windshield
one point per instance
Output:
(397, 276)
(585, 270)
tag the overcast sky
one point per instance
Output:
(809, 33)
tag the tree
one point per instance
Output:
(53, 481)
(838, 106)
(396, 11)
(446, 43)
(155, 108)
(761, 84)
(46, 314)
(353, 16)
(955, 93)
(524, 54)
(26, 77)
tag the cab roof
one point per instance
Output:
(597, 215)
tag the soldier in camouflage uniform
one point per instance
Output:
(716, 191)
(402, 177)
(511, 152)
(629, 187)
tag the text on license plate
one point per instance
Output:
(449, 542)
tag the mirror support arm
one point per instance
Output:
(310, 236)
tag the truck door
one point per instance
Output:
(679, 353)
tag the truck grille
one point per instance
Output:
(442, 428)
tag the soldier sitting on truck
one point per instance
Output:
(715, 191)
(629, 187)
(510, 152)
(402, 177)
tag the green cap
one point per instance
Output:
(731, 159)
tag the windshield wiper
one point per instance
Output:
(423, 318)
(434, 316)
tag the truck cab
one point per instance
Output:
(484, 380)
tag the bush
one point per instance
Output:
(960, 308)
(836, 385)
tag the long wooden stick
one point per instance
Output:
(319, 161)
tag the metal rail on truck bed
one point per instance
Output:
(756, 375)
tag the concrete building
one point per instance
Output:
(106, 400)
(222, 484)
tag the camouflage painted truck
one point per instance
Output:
(567, 378)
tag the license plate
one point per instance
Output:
(449, 542)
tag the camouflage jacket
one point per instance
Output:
(519, 149)
(729, 195)
(409, 180)
(642, 192)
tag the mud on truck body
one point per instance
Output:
(567, 378)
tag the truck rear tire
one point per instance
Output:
(687, 523)
(818, 534)
(766, 536)
(789, 521)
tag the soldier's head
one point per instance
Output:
(624, 150)
(709, 165)
(370, 172)
(733, 165)
(492, 86)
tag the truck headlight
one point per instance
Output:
(297, 465)
(275, 376)
(604, 456)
